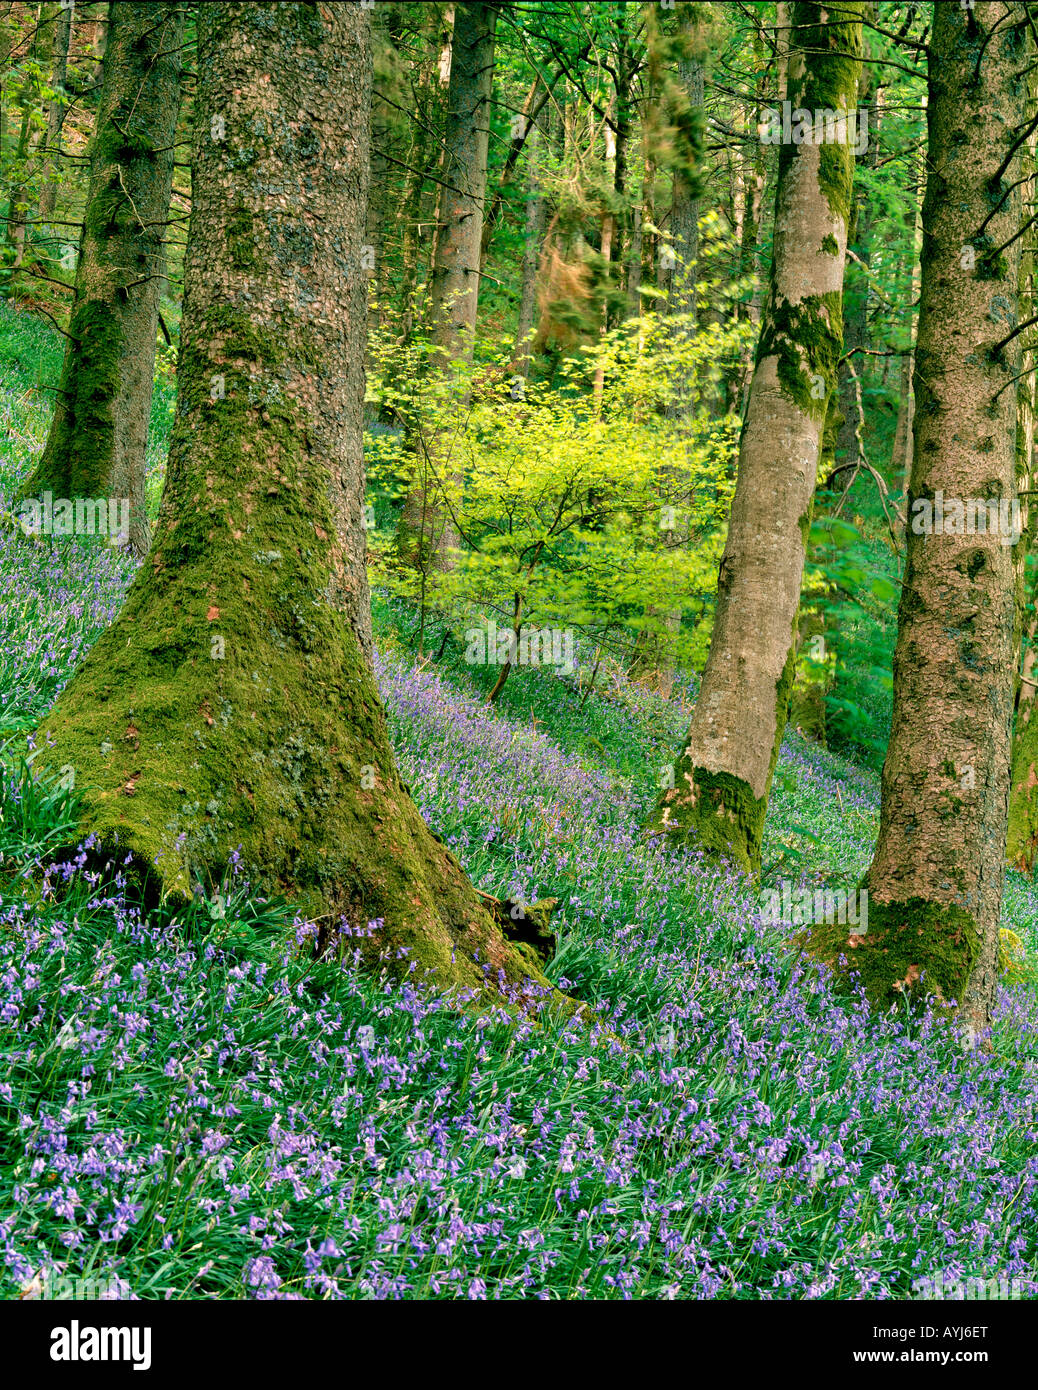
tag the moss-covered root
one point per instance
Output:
(910, 951)
(713, 812)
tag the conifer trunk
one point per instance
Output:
(232, 705)
(936, 878)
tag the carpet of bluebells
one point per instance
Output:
(192, 1107)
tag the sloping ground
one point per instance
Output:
(193, 1107)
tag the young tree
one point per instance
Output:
(722, 777)
(99, 433)
(232, 705)
(936, 878)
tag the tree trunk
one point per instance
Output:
(653, 659)
(99, 433)
(901, 455)
(1022, 835)
(232, 706)
(18, 198)
(684, 217)
(856, 321)
(429, 531)
(608, 237)
(56, 112)
(420, 162)
(936, 878)
(722, 777)
(536, 217)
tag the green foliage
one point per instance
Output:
(571, 515)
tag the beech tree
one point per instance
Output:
(99, 433)
(936, 878)
(232, 705)
(722, 777)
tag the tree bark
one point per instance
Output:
(536, 218)
(55, 112)
(856, 322)
(232, 706)
(429, 532)
(99, 433)
(936, 878)
(1022, 834)
(722, 778)
(419, 168)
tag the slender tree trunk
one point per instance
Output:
(654, 657)
(856, 321)
(99, 433)
(1022, 836)
(429, 530)
(232, 705)
(56, 113)
(18, 198)
(420, 164)
(608, 237)
(722, 778)
(901, 454)
(536, 218)
(634, 266)
(684, 217)
(936, 878)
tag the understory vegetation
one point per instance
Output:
(191, 1105)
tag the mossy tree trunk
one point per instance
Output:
(723, 774)
(232, 704)
(428, 531)
(936, 877)
(99, 433)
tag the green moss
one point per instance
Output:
(832, 41)
(807, 340)
(80, 447)
(830, 245)
(187, 751)
(240, 238)
(911, 950)
(714, 812)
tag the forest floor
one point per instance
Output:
(190, 1106)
